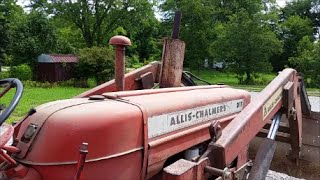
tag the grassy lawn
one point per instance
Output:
(33, 97)
(215, 77)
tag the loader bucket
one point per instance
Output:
(307, 166)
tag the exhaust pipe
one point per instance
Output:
(120, 42)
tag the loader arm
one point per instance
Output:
(226, 155)
(248, 123)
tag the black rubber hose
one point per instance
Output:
(196, 77)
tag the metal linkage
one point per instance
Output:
(266, 151)
(225, 173)
(274, 126)
(82, 159)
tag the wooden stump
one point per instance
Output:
(172, 63)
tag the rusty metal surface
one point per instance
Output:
(201, 175)
(145, 136)
(183, 169)
(120, 42)
(5, 90)
(179, 167)
(82, 159)
(311, 130)
(123, 132)
(215, 130)
(248, 123)
(225, 174)
(60, 58)
(242, 158)
(163, 147)
(120, 68)
(288, 98)
(54, 153)
(39, 119)
(6, 132)
(176, 25)
(295, 140)
(130, 83)
(147, 80)
(311, 138)
(167, 145)
(305, 103)
(115, 95)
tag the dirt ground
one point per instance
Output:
(272, 175)
(282, 168)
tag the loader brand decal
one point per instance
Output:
(165, 123)
(271, 103)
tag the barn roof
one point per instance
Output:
(57, 58)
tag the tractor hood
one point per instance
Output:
(120, 123)
(56, 130)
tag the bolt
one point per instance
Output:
(84, 148)
(120, 42)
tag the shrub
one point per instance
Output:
(133, 62)
(97, 62)
(39, 84)
(4, 75)
(22, 72)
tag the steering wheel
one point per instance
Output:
(6, 130)
(12, 83)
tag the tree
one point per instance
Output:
(31, 36)
(3, 37)
(196, 27)
(9, 11)
(97, 19)
(307, 61)
(293, 30)
(199, 17)
(96, 62)
(305, 9)
(246, 42)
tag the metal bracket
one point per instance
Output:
(146, 80)
(294, 136)
(215, 130)
(243, 171)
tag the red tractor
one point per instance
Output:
(129, 129)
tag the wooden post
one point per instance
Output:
(172, 57)
(172, 63)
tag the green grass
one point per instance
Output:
(33, 97)
(215, 77)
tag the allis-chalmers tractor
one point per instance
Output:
(157, 123)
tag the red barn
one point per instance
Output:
(56, 67)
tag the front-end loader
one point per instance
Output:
(129, 128)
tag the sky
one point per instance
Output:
(25, 2)
(282, 2)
